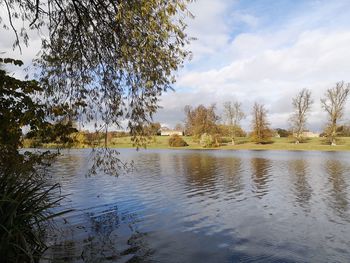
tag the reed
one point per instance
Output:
(26, 202)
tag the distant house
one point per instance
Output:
(171, 132)
(309, 134)
(164, 131)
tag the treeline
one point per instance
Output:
(63, 134)
(208, 127)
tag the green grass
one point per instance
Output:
(243, 143)
(312, 144)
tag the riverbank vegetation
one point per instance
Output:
(224, 143)
(27, 197)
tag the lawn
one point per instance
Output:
(312, 144)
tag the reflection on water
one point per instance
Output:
(260, 176)
(298, 171)
(336, 172)
(205, 206)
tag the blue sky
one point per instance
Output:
(254, 51)
(264, 51)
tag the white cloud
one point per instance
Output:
(316, 60)
(7, 39)
(209, 26)
(246, 55)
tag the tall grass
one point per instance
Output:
(26, 199)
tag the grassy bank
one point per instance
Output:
(161, 142)
(312, 144)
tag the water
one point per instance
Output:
(206, 206)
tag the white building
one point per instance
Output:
(165, 131)
(171, 132)
(309, 134)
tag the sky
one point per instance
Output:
(261, 51)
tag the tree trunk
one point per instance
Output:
(333, 142)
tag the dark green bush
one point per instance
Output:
(176, 141)
(26, 198)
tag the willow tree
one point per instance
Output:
(301, 103)
(261, 131)
(334, 104)
(106, 60)
(101, 60)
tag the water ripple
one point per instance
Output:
(194, 206)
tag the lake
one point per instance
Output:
(205, 206)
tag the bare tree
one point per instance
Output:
(261, 131)
(334, 104)
(179, 127)
(234, 114)
(302, 104)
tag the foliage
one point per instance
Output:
(17, 109)
(58, 133)
(334, 104)
(234, 114)
(226, 130)
(152, 129)
(109, 60)
(200, 120)
(261, 133)
(176, 141)
(283, 132)
(343, 131)
(206, 140)
(105, 62)
(26, 196)
(224, 140)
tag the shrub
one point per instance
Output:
(283, 133)
(264, 137)
(26, 198)
(206, 140)
(176, 141)
(224, 140)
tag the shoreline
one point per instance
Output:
(328, 149)
(243, 143)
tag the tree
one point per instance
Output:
(344, 130)
(201, 120)
(152, 129)
(179, 127)
(206, 140)
(226, 131)
(301, 103)
(234, 114)
(26, 197)
(106, 60)
(261, 131)
(177, 141)
(334, 104)
(17, 109)
(283, 133)
(109, 60)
